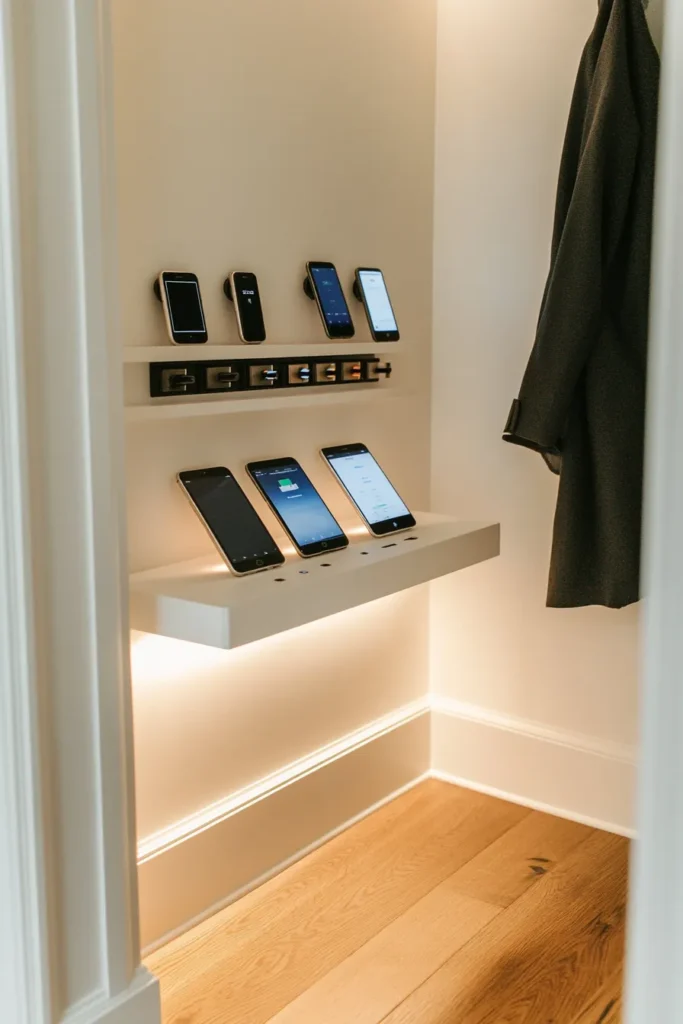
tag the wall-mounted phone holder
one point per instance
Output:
(156, 288)
(264, 375)
(223, 377)
(173, 379)
(210, 377)
(308, 289)
(374, 371)
(299, 374)
(227, 289)
(355, 288)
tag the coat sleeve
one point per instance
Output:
(595, 203)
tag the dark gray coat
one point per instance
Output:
(582, 400)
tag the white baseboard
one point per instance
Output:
(573, 776)
(205, 862)
(139, 1004)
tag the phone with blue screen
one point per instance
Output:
(296, 503)
(329, 296)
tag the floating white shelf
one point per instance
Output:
(268, 350)
(250, 401)
(201, 602)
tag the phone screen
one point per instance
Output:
(303, 512)
(185, 307)
(232, 519)
(332, 302)
(249, 306)
(369, 488)
(377, 302)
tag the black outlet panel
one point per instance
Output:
(216, 376)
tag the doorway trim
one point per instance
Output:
(67, 846)
(654, 983)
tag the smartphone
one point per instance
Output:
(328, 294)
(183, 310)
(245, 295)
(370, 490)
(372, 289)
(231, 519)
(295, 501)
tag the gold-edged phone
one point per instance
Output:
(181, 300)
(232, 521)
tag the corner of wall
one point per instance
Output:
(549, 770)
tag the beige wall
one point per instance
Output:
(209, 722)
(258, 135)
(505, 77)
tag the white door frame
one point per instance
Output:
(69, 947)
(68, 928)
(654, 975)
(24, 979)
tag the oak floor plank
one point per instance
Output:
(505, 870)
(387, 969)
(605, 1007)
(182, 960)
(367, 985)
(255, 958)
(540, 960)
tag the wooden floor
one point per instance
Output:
(444, 907)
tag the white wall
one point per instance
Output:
(256, 136)
(505, 76)
(260, 135)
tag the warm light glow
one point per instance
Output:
(357, 531)
(160, 657)
(163, 660)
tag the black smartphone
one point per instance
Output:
(372, 289)
(243, 288)
(329, 297)
(295, 501)
(370, 490)
(183, 309)
(231, 519)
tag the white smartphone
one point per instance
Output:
(370, 287)
(382, 509)
(181, 300)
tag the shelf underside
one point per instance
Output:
(200, 601)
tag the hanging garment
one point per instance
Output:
(582, 400)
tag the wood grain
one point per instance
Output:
(606, 1006)
(542, 959)
(520, 858)
(181, 961)
(256, 957)
(444, 907)
(376, 978)
(367, 985)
